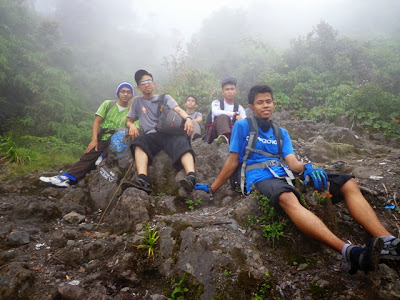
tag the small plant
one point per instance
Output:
(227, 273)
(321, 198)
(12, 152)
(265, 289)
(193, 204)
(317, 291)
(298, 184)
(149, 240)
(177, 293)
(272, 224)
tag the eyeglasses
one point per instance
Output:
(146, 82)
(126, 92)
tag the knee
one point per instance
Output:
(350, 186)
(288, 201)
(222, 119)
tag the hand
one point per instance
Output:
(189, 126)
(203, 187)
(318, 176)
(92, 145)
(133, 131)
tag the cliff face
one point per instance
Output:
(53, 246)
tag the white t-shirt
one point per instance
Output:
(228, 110)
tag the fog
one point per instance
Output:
(145, 32)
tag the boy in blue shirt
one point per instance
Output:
(274, 181)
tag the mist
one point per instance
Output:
(143, 34)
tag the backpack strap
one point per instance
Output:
(161, 103)
(110, 105)
(250, 148)
(252, 141)
(103, 131)
(235, 106)
(221, 104)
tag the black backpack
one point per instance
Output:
(169, 121)
(209, 123)
(237, 179)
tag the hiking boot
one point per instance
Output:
(391, 250)
(139, 183)
(58, 181)
(365, 258)
(188, 183)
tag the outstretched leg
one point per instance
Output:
(361, 210)
(309, 223)
(363, 258)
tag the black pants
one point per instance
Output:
(88, 160)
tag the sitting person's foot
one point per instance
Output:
(222, 139)
(365, 258)
(139, 183)
(58, 181)
(391, 250)
(188, 183)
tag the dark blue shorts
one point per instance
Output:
(174, 145)
(274, 187)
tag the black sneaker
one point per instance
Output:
(391, 250)
(139, 183)
(365, 258)
(188, 183)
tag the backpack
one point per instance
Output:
(237, 179)
(168, 120)
(207, 136)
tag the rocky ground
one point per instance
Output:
(56, 245)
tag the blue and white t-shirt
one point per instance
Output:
(266, 142)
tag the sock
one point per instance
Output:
(144, 177)
(354, 253)
(344, 250)
(387, 239)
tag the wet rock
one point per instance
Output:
(18, 237)
(131, 210)
(212, 248)
(74, 218)
(72, 292)
(15, 281)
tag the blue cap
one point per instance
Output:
(124, 84)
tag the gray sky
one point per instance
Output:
(278, 21)
(282, 19)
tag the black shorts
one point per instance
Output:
(274, 187)
(174, 145)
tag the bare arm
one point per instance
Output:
(95, 131)
(294, 164)
(198, 120)
(227, 170)
(189, 123)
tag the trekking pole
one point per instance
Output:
(112, 198)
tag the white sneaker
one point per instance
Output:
(59, 180)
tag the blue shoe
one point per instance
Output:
(365, 258)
